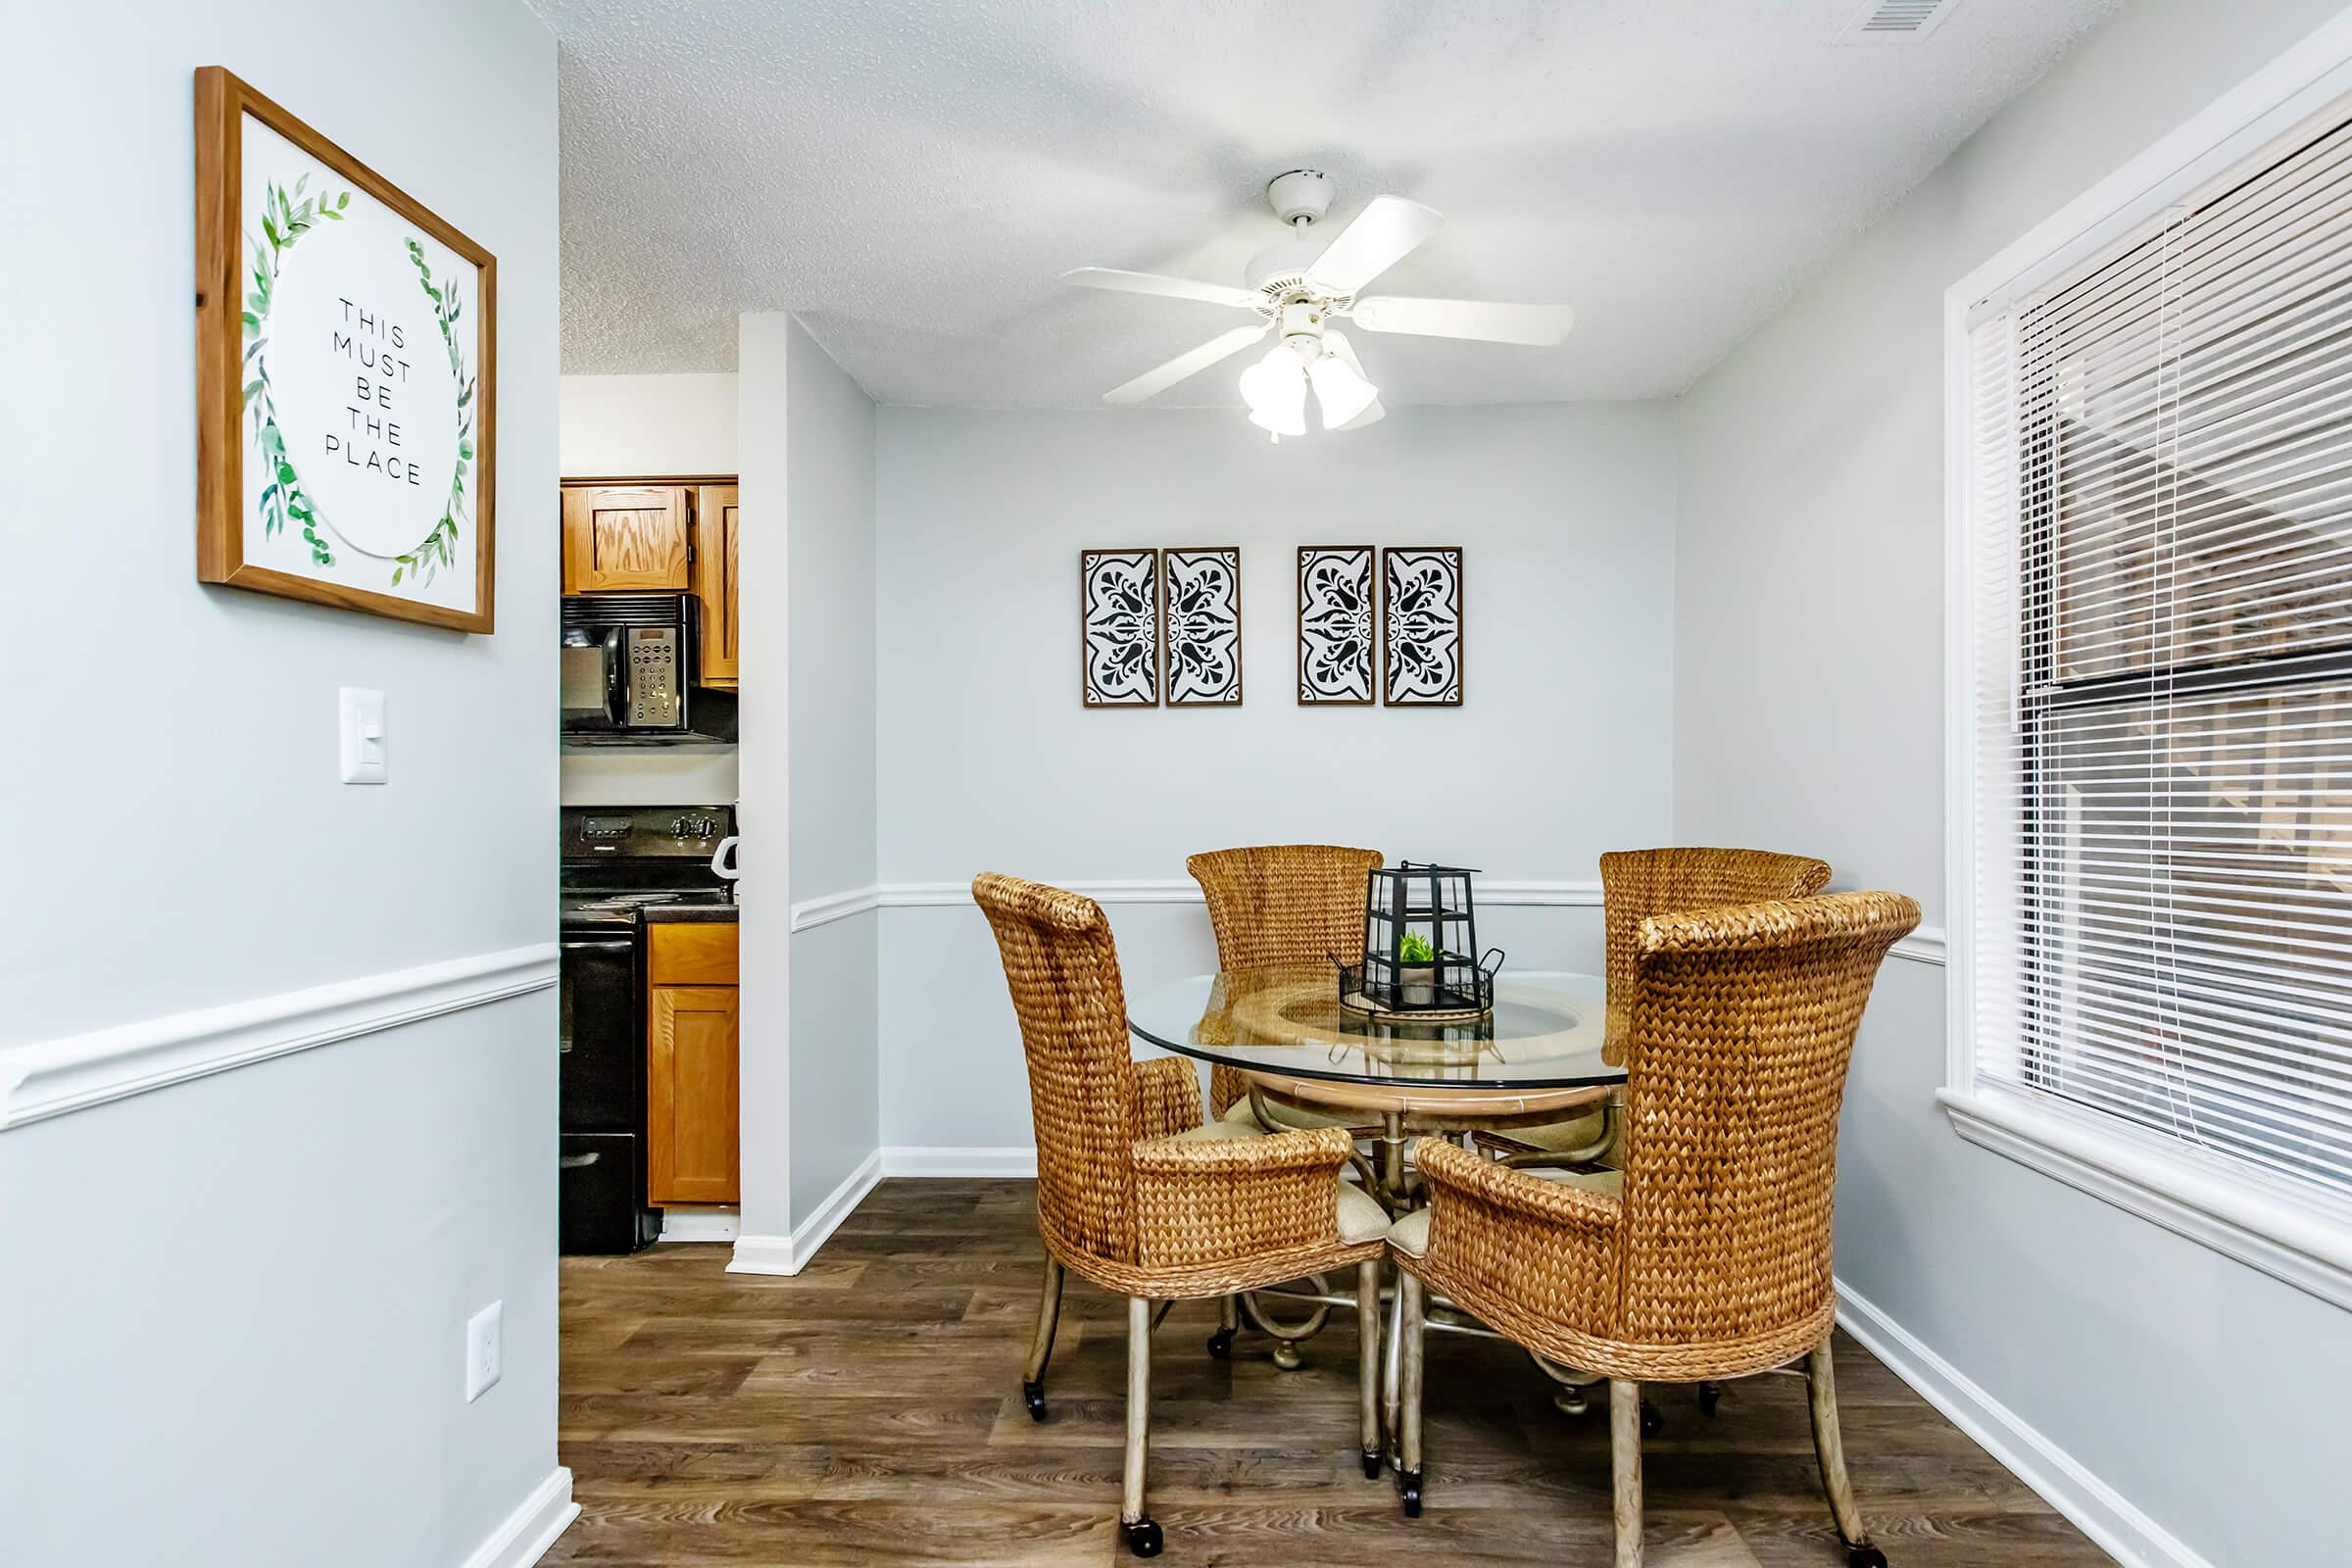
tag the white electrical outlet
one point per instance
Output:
(482, 1349)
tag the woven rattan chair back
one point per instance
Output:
(1635, 884)
(1741, 1026)
(1063, 971)
(1279, 903)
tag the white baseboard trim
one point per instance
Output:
(533, 1528)
(2095, 1507)
(789, 1254)
(52, 1077)
(807, 914)
(762, 1254)
(1184, 889)
(701, 1224)
(923, 1160)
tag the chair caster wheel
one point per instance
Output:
(1371, 1467)
(1865, 1557)
(1220, 1344)
(1710, 1394)
(1408, 1491)
(1141, 1537)
(1653, 1423)
(1032, 1394)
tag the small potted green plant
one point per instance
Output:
(1416, 971)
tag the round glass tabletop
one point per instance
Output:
(1545, 1031)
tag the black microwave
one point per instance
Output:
(630, 671)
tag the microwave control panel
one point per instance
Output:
(653, 675)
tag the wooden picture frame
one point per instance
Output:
(1201, 626)
(1423, 625)
(1339, 625)
(281, 536)
(1118, 628)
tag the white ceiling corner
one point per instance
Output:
(912, 176)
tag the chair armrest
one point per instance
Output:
(1204, 1202)
(1517, 1249)
(1167, 1090)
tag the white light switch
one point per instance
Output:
(363, 735)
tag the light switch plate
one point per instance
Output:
(363, 735)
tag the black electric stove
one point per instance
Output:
(617, 862)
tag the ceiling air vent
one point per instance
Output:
(1896, 21)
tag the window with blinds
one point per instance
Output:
(2161, 508)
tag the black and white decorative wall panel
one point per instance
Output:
(1202, 626)
(1119, 597)
(1421, 604)
(1336, 634)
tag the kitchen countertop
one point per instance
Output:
(703, 914)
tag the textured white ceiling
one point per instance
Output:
(912, 176)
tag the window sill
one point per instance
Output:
(2307, 1248)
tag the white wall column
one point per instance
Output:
(810, 1091)
(763, 758)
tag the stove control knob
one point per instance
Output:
(678, 827)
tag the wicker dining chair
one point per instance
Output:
(1711, 1260)
(1277, 904)
(1635, 884)
(1137, 1192)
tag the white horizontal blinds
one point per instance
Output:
(2163, 507)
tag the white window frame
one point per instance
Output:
(2205, 1198)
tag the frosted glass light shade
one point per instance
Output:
(1275, 389)
(1342, 392)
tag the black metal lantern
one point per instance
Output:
(1421, 954)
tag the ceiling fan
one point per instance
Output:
(1300, 288)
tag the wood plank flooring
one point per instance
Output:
(869, 1412)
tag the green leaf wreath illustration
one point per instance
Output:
(438, 547)
(285, 219)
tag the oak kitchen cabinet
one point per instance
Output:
(640, 536)
(715, 519)
(692, 1051)
(625, 538)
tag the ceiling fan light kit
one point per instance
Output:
(1299, 287)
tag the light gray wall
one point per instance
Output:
(829, 522)
(1809, 716)
(988, 762)
(649, 426)
(232, 1318)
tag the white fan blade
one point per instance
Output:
(1180, 288)
(1537, 325)
(1344, 352)
(1383, 234)
(1221, 347)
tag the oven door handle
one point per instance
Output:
(575, 1161)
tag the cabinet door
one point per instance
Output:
(692, 1152)
(623, 538)
(715, 520)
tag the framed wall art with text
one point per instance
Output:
(346, 376)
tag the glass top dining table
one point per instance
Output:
(1540, 1048)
